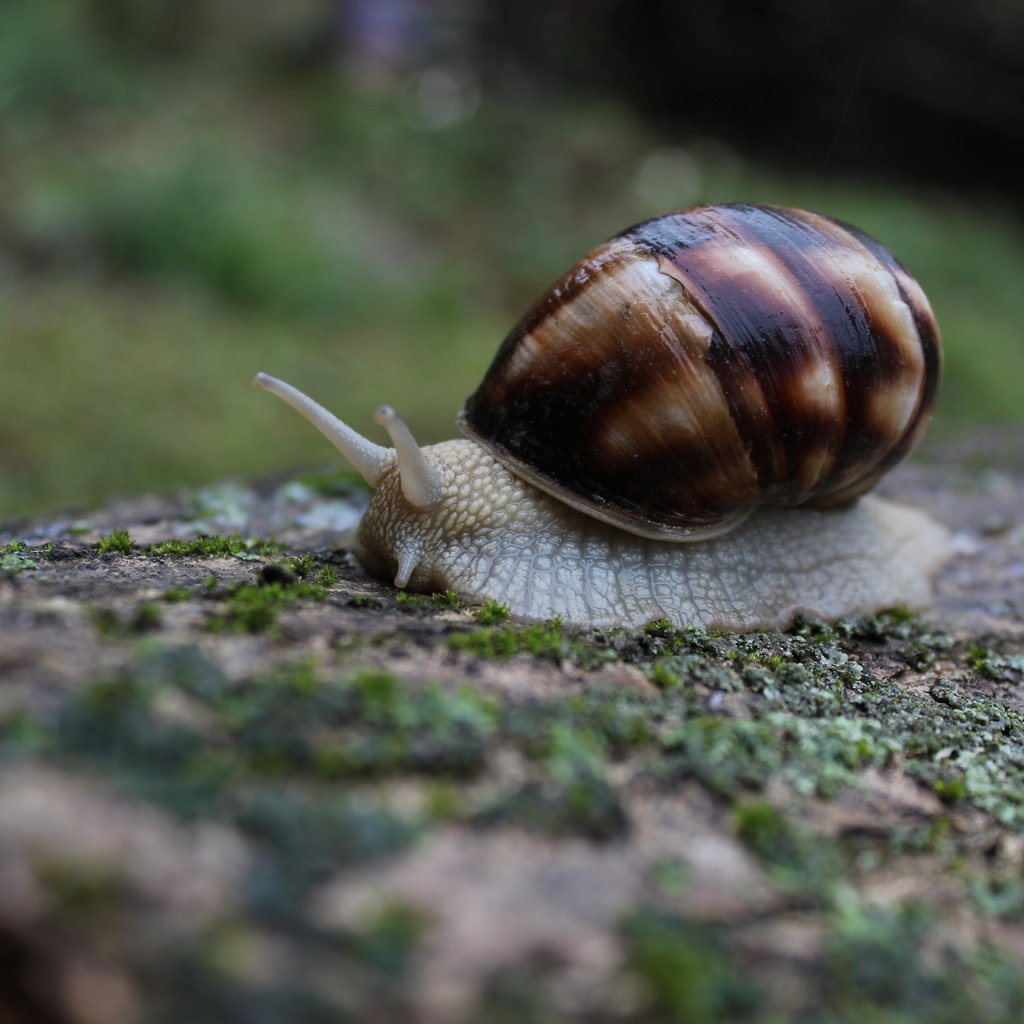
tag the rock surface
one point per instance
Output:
(240, 781)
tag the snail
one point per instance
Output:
(681, 428)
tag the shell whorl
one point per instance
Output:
(709, 361)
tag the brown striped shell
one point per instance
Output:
(709, 361)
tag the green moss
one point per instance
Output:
(445, 802)
(663, 677)
(670, 876)
(728, 757)
(118, 541)
(255, 607)
(874, 965)
(190, 981)
(143, 618)
(291, 727)
(327, 576)
(951, 790)
(688, 670)
(446, 600)
(515, 994)
(293, 760)
(762, 827)
(302, 838)
(795, 858)
(1002, 668)
(216, 547)
(308, 567)
(14, 560)
(918, 656)
(546, 640)
(567, 790)
(303, 565)
(873, 961)
(687, 972)
(21, 735)
(998, 896)
(490, 613)
(81, 892)
(176, 594)
(594, 724)
(659, 627)
(815, 717)
(390, 729)
(388, 939)
(268, 733)
(568, 793)
(584, 805)
(12, 563)
(146, 616)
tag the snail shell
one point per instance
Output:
(709, 361)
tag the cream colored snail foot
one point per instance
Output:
(493, 536)
(679, 429)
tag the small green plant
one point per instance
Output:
(689, 972)
(217, 547)
(82, 891)
(11, 563)
(994, 666)
(796, 858)
(663, 677)
(659, 627)
(951, 790)
(254, 607)
(303, 565)
(144, 618)
(327, 577)
(444, 600)
(119, 541)
(490, 613)
(543, 640)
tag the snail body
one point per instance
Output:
(678, 429)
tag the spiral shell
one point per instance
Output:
(709, 361)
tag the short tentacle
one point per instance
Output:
(408, 558)
(422, 483)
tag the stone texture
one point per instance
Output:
(112, 889)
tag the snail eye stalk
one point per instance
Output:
(372, 460)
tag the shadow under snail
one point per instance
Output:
(682, 427)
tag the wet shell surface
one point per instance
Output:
(709, 361)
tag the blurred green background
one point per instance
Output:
(194, 191)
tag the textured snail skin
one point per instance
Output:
(493, 536)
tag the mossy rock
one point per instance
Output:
(241, 779)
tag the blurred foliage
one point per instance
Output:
(928, 92)
(179, 209)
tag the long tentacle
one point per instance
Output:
(370, 459)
